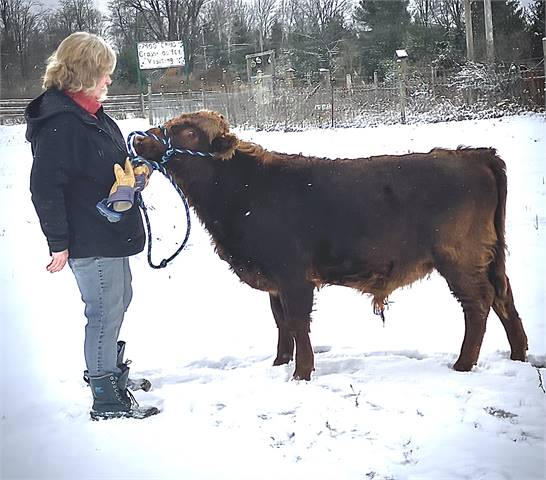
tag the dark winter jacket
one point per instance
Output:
(74, 154)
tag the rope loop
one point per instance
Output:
(136, 159)
(156, 166)
(152, 165)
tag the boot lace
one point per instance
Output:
(132, 399)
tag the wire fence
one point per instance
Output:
(429, 95)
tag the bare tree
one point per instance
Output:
(319, 24)
(169, 20)
(449, 14)
(424, 12)
(79, 15)
(123, 24)
(19, 19)
(263, 15)
(322, 12)
(238, 10)
(152, 14)
(218, 18)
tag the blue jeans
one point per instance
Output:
(105, 286)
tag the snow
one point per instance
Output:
(383, 402)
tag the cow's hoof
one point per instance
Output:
(282, 360)
(303, 374)
(521, 357)
(462, 366)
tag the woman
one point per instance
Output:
(76, 146)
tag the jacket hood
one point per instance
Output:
(49, 104)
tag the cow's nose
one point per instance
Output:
(137, 141)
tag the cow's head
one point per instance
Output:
(203, 131)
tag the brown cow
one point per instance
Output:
(289, 223)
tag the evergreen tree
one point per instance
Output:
(437, 33)
(383, 28)
(535, 29)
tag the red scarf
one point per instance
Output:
(85, 101)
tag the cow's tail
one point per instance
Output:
(498, 265)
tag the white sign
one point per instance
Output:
(160, 54)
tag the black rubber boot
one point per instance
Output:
(133, 383)
(111, 399)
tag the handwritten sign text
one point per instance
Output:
(160, 54)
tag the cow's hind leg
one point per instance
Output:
(285, 343)
(297, 303)
(475, 293)
(503, 305)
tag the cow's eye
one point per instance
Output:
(190, 132)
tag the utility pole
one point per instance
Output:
(489, 44)
(469, 32)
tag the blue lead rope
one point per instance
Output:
(140, 201)
(152, 165)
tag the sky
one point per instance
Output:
(102, 5)
(383, 402)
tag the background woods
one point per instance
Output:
(346, 37)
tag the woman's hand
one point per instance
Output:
(58, 261)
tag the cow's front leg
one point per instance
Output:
(285, 343)
(297, 303)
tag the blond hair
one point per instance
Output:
(79, 62)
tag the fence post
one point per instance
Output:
(402, 56)
(544, 53)
(403, 91)
(203, 93)
(150, 110)
(433, 80)
(142, 107)
(332, 102)
(375, 85)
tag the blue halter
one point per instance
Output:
(166, 140)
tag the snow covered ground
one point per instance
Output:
(383, 402)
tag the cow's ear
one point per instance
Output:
(224, 147)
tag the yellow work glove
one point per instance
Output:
(142, 174)
(122, 193)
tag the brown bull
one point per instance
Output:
(287, 224)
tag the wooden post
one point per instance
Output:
(489, 43)
(150, 109)
(203, 100)
(142, 107)
(403, 90)
(469, 30)
(402, 57)
(375, 85)
(544, 62)
(331, 102)
(433, 80)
